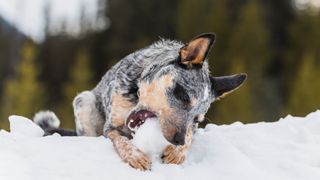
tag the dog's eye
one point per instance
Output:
(181, 94)
(138, 93)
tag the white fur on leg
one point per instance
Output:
(87, 117)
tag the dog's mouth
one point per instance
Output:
(136, 119)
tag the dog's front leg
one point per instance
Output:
(176, 154)
(115, 131)
(128, 152)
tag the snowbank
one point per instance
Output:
(287, 149)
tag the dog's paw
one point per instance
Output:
(137, 159)
(129, 153)
(174, 154)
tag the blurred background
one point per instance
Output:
(50, 50)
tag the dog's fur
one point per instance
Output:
(167, 79)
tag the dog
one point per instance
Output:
(168, 80)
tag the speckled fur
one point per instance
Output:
(154, 73)
(144, 66)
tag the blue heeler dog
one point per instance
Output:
(168, 80)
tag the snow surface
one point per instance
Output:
(146, 136)
(283, 150)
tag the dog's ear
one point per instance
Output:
(221, 86)
(196, 51)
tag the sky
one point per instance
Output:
(28, 15)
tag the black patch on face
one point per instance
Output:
(181, 94)
(132, 93)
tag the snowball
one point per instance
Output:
(24, 127)
(150, 139)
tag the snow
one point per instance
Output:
(146, 136)
(283, 150)
(21, 126)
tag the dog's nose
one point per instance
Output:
(178, 139)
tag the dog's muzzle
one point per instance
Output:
(136, 119)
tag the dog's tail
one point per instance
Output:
(50, 123)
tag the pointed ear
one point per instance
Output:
(196, 51)
(224, 85)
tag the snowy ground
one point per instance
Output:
(287, 149)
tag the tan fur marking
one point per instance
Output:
(120, 109)
(195, 51)
(177, 154)
(153, 95)
(128, 152)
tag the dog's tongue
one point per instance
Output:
(137, 119)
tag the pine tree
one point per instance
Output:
(80, 79)
(250, 40)
(136, 24)
(305, 93)
(23, 95)
(249, 45)
(302, 63)
(302, 39)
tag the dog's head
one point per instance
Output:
(178, 89)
